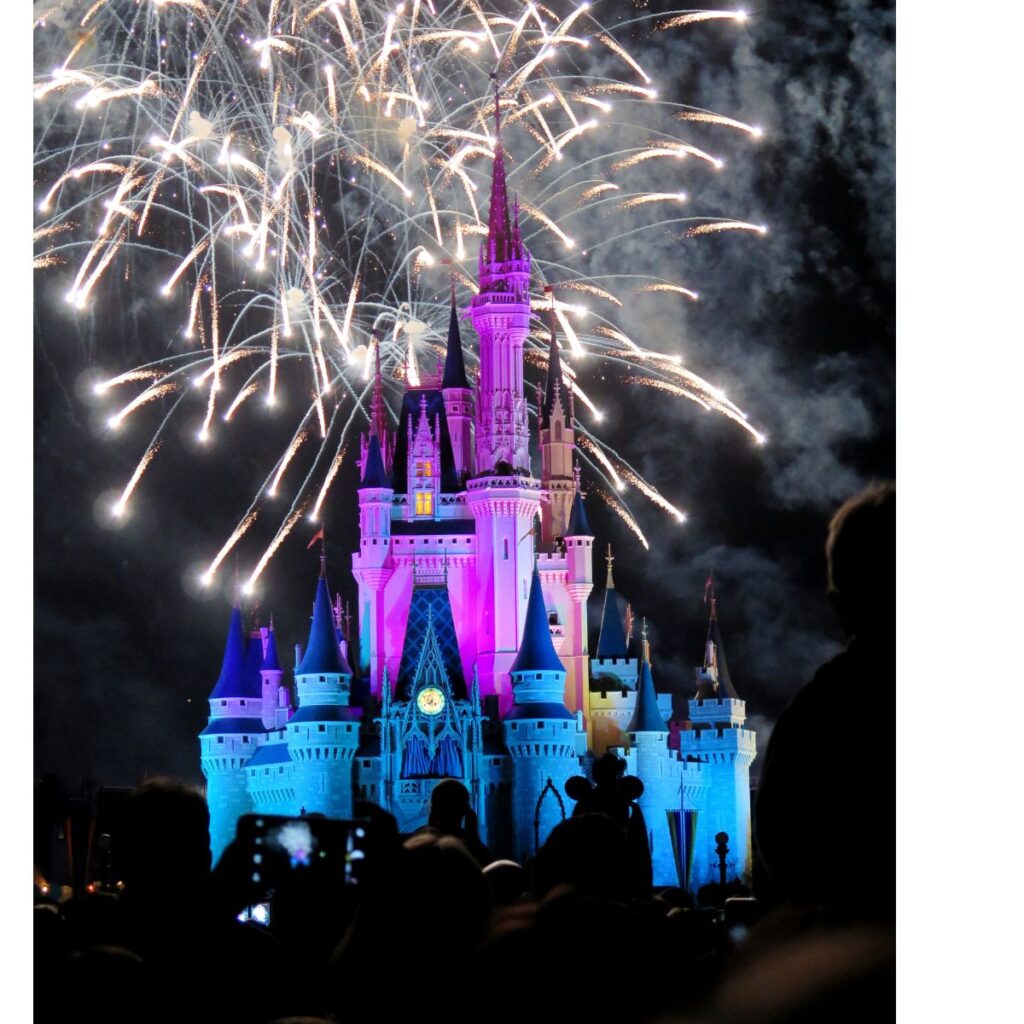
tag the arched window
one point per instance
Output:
(505, 543)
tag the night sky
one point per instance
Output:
(797, 327)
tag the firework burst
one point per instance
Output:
(287, 175)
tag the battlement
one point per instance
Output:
(715, 709)
(719, 739)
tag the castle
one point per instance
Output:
(471, 651)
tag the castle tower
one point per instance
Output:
(500, 312)
(503, 496)
(657, 767)
(717, 737)
(323, 733)
(372, 565)
(277, 698)
(234, 731)
(423, 470)
(579, 564)
(458, 398)
(557, 441)
(540, 733)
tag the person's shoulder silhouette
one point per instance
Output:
(824, 813)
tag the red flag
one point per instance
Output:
(708, 585)
(319, 535)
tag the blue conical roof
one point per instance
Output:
(374, 473)
(611, 643)
(454, 366)
(234, 679)
(270, 659)
(646, 716)
(322, 656)
(579, 525)
(536, 652)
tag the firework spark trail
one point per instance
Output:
(621, 512)
(122, 503)
(247, 520)
(591, 289)
(547, 222)
(289, 454)
(661, 286)
(596, 190)
(593, 448)
(242, 395)
(637, 481)
(282, 533)
(126, 378)
(329, 479)
(184, 265)
(652, 197)
(707, 117)
(619, 51)
(341, 114)
(693, 17)
(98, 167)
(723, 225)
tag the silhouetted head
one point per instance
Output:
(506, 880)
(165, 840)
(861, 553)
(449, 802)
(607, 769)
(589, 853)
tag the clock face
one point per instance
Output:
(430, 701)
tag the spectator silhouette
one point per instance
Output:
(615, 794)
(824, 815)
(452, 815)
(186, 937)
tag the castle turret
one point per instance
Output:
(234, 732)
(277, 703)
(372, 565)
(323, 733)
(657, 767)
(557, 441)
(579, 565)
(540, 732)
(613, 672)
(718, 737)
(458, 398)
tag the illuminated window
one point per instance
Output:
(424, 503)
(425, 469)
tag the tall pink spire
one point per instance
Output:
(499, 224)
(377, 421)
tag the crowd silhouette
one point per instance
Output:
(436, 928)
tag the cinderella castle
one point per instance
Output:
(470, 658)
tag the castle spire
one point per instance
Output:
(553, 388)
(536, 651)
(579, 525)
(499, 227)
(715, 667)
(322, 656)
(231, 681)
(611, 642)
(377, 415)
(646, 716)
(454, 366)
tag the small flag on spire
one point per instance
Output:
(319, 535)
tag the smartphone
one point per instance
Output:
(280, 851)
